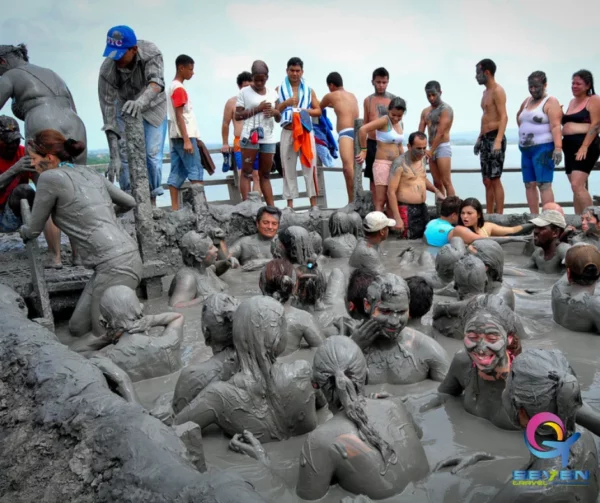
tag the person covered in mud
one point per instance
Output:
(492, 255)
(199, 277)
(126, 341)
(81, 204)
(396, 354)
(218, 311)
(356, 448)
(445, 261)
(297, 245)
(366, 254)
(478, 372)
(342, 239)
(271, 400)
(470, 279)
(549, 253)
(278, 279)
(575, 304)
(590, 228)
(253, 252)
(356, 293)
(542, 380)
(472, 226)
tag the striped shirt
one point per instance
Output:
(304, 99)
(116, 86)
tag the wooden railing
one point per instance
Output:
(232, 183)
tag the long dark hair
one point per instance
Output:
(476, 205)
(50, 141)
(588, 78)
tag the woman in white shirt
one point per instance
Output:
(256, 107)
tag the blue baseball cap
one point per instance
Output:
(118, 40)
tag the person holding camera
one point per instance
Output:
(256, 107)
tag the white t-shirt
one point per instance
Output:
(248, 98)
(188, 112)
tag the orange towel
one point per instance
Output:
(302, 141)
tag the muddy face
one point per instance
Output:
(433, 96)
(536, 89)
(543, 236)
(485, 341)
(380, 84)
(211, 255)
(391, 315)
(589, 222)
(480, 76)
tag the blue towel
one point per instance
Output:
(285, 92)
(324, 133)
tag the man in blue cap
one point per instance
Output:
(131, 81)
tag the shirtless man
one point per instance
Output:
(407, 189)
(243, 79)
(438, 119)
(375, 106)
(345, 106)
(549, 251)
(491, 144)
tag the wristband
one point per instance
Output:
(364, 149)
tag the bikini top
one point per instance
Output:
(389, 136)
(581, 117)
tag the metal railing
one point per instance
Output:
(232, 183)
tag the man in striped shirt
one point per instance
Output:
(132, 81)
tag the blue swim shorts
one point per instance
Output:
(537, 164)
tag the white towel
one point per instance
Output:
(285, 92)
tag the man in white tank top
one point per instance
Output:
(183, 132)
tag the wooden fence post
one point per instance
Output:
(322, 197)
(358, 171)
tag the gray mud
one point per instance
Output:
(447, 431)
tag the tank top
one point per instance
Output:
(581, 117)
(534, 128)
(389, 136)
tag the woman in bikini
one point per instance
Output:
(581, 145)
(389, 134)
(471, 225)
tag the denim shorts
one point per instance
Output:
(183, 165)
(9, 222)
(537, 164)
(264, 148)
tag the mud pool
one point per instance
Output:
(447, 431)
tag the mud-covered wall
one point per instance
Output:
(65, 436)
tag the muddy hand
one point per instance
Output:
(461, 462)
(477, 147)
(246, 443)
(557, 156)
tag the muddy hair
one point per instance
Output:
(491, 254)
(588, 78)
(312, 283)
(194, 247)
(340, 370)
(258, 329)
(278, 279)
(119, 309)
(494, 305)
(542, 380)
(50, 141)
(538, 75)
(20, 50)
(299, 244)
(219, 309)
(358, 284)
(339, 224)
(421, 296)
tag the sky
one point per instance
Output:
(415, 40)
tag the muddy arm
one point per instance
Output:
(6, 90)
(116, 377)
(437, 360)
(185, 290)
(47, 190)
(311, 336)
(118, 197)
(201, 410)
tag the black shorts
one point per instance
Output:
(491, 165)
(370, 159)
(415, 218)
(571, 144)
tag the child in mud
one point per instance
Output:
(199, 276)
(126, 342)
(272, 400)
(369, 447)
(217, 327)
(396, 354)
(278, 280)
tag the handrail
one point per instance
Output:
(231, 181)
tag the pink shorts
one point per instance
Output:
(381, 171)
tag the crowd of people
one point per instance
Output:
(360, 320)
